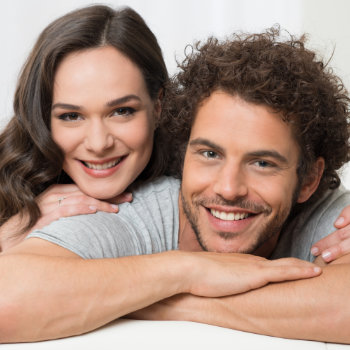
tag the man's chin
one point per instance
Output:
(225, 243)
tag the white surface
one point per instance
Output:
(131, 334)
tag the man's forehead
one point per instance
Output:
(223, 118)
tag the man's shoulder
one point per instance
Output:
(312, 224)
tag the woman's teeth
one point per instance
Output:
(103, 166)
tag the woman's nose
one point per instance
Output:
(98, 137)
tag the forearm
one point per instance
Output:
(48, 297)
(44, 297)
(316, 309)
(313, 309)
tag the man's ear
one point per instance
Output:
(311, 181)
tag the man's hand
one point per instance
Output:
(337, 244)
(219, 274)
(225, 275)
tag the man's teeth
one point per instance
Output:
(228, 216)
(104, 166)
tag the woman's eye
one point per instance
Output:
(210, 154)
(70, 117)
(124, 111)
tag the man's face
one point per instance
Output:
(240, 175)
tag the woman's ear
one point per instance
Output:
(311, 181)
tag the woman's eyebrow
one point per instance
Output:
(65, 106)
(123, 99)
(111, 103)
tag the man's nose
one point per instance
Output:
(231, 182)
(98, 137)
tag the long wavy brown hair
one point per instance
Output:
(268, 70)
(30, 161)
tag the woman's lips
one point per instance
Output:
(102, 168)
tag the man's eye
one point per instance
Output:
(70, 117)
(263, 164)
(124, 111)
(210, 154)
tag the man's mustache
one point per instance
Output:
(241, 203)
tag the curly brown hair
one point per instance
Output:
(282, 74)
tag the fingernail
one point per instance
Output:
(317, 269)
(114, 206)
(326, 255)
(92, 207)
(128, 195)
(315, 251)
(339, 221)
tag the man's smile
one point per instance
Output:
(229, 216)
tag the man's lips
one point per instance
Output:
(230, 221)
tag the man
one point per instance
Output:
(266, 126)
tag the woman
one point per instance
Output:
(86, 108)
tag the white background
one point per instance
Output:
(177, 23)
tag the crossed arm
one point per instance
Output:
(58, 294)
(313, 309)
(49, 292)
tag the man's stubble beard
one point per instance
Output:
(269, 229)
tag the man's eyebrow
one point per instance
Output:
(261, 153)
(111, 103)
(269, 153)
(205, 142)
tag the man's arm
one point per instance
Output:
(313, 309)
(49, 292)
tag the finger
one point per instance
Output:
(65, 211)
(336, 251)
(293, 272)
(287, 262)
(331, 240)
(77, 199)
(343, 218)
(292, 268)
(122, 198)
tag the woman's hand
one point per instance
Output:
(56, 202)
(67, 200)
(337, 244)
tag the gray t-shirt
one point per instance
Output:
(150, 224)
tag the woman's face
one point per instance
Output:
(103, 119)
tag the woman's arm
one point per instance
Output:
(56, 202)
